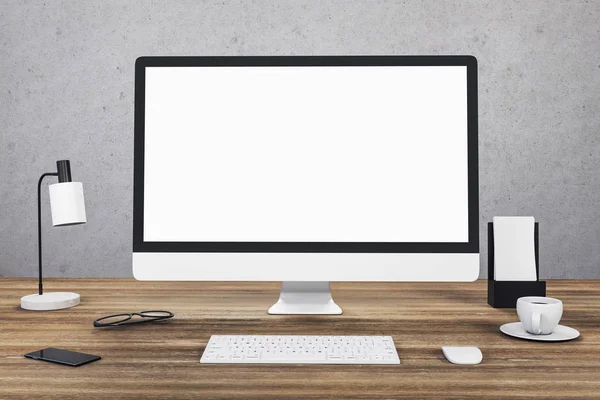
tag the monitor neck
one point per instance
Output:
(313, 298)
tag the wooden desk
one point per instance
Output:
(162, 360)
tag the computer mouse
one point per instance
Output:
(466, 355)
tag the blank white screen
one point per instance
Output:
(306, 154)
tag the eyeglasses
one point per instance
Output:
(128, 319)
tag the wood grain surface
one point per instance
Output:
(161, 360)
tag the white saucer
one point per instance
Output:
(560, 334)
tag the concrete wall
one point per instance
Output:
(66, 91)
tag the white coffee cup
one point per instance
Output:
(539, 315)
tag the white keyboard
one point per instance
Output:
(267, 349)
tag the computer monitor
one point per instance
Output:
(306, 170)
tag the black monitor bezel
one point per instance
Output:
(472, 246)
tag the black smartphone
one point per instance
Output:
(65, 357)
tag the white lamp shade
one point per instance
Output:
(67, 204)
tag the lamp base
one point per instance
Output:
(49, 301)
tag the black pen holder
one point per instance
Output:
(504, 294)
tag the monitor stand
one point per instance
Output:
(305, 298)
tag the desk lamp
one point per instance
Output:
(68, 208)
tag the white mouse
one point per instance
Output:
(468, 355)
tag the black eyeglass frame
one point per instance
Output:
(128, 317)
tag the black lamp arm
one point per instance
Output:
(39, 205)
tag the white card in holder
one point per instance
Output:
(514, 249)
